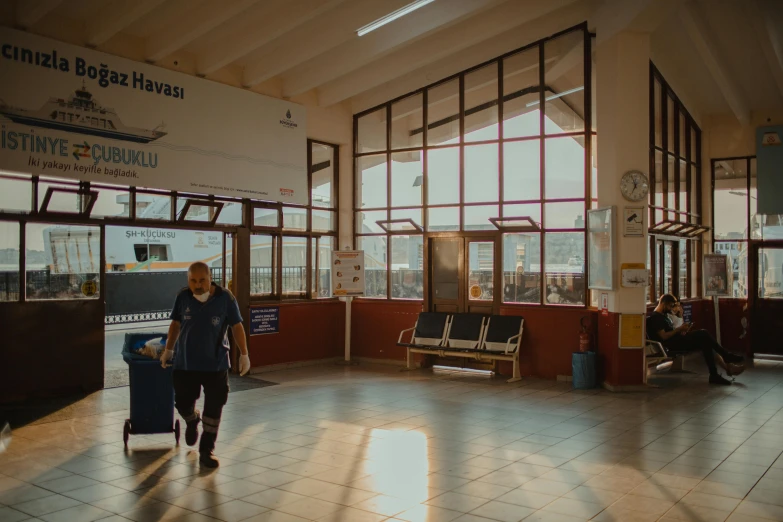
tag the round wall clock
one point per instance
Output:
(634, 185)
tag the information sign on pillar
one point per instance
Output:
(717, 282)
(348, 273)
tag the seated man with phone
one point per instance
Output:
(682, 339)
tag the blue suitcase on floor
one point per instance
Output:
(151, 392)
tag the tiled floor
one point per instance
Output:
(370, 443)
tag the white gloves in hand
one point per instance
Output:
(244, 364)
(165, 357)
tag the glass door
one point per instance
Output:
(446, 292)
(767, 317)
(463, 274)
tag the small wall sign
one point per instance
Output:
(633, 222)
(264, 321)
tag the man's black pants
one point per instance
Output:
(698, 341)
(187, 390)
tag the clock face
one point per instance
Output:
(634, 186)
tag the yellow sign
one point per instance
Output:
(89, 288)
(631, 331)
(475, 291)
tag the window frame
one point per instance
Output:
(90, 191)
(747, 240)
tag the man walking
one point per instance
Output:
(198, 344)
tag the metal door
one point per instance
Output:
(767, 310)
(464, 274)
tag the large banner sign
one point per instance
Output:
(73, 112)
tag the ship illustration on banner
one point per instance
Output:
(82, 114)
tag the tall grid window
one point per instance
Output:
(675, 196)
(504, 139)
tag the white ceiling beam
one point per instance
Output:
(456, 45)
(29, 12)
(193, 24)
(278, 18)
(572, 58)
(614, 16)
(115, 17)
(766, 25)
(461, 59)
(362, 50)
(707, 50)
(314, 38)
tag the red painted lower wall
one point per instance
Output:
(733, 336)
(309, 330)
(618, 367)
(376, 326)
(550, 336)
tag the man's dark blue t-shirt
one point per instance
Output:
(203, 338)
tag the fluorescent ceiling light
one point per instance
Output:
(555, 96)
(399, 13)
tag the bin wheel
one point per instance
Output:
(126, 432)
(176, 431)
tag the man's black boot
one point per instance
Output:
(206, 449)
(191, 430)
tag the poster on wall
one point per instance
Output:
(76, 113)
(600, 248)
(716, 275)
(348, 273)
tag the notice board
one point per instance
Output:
(264, 320)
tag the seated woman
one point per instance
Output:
(683, 340)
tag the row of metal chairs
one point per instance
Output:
(474, 336)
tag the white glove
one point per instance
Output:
(244, 364)
(165, 357)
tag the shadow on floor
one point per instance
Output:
(237, 383)
(42, 410)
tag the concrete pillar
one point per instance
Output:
(623, 120)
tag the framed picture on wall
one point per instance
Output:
(600, 248)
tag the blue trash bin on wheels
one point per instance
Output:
(151, 392)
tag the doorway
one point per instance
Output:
(145, 269)
(767, 309)
(462, 274)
